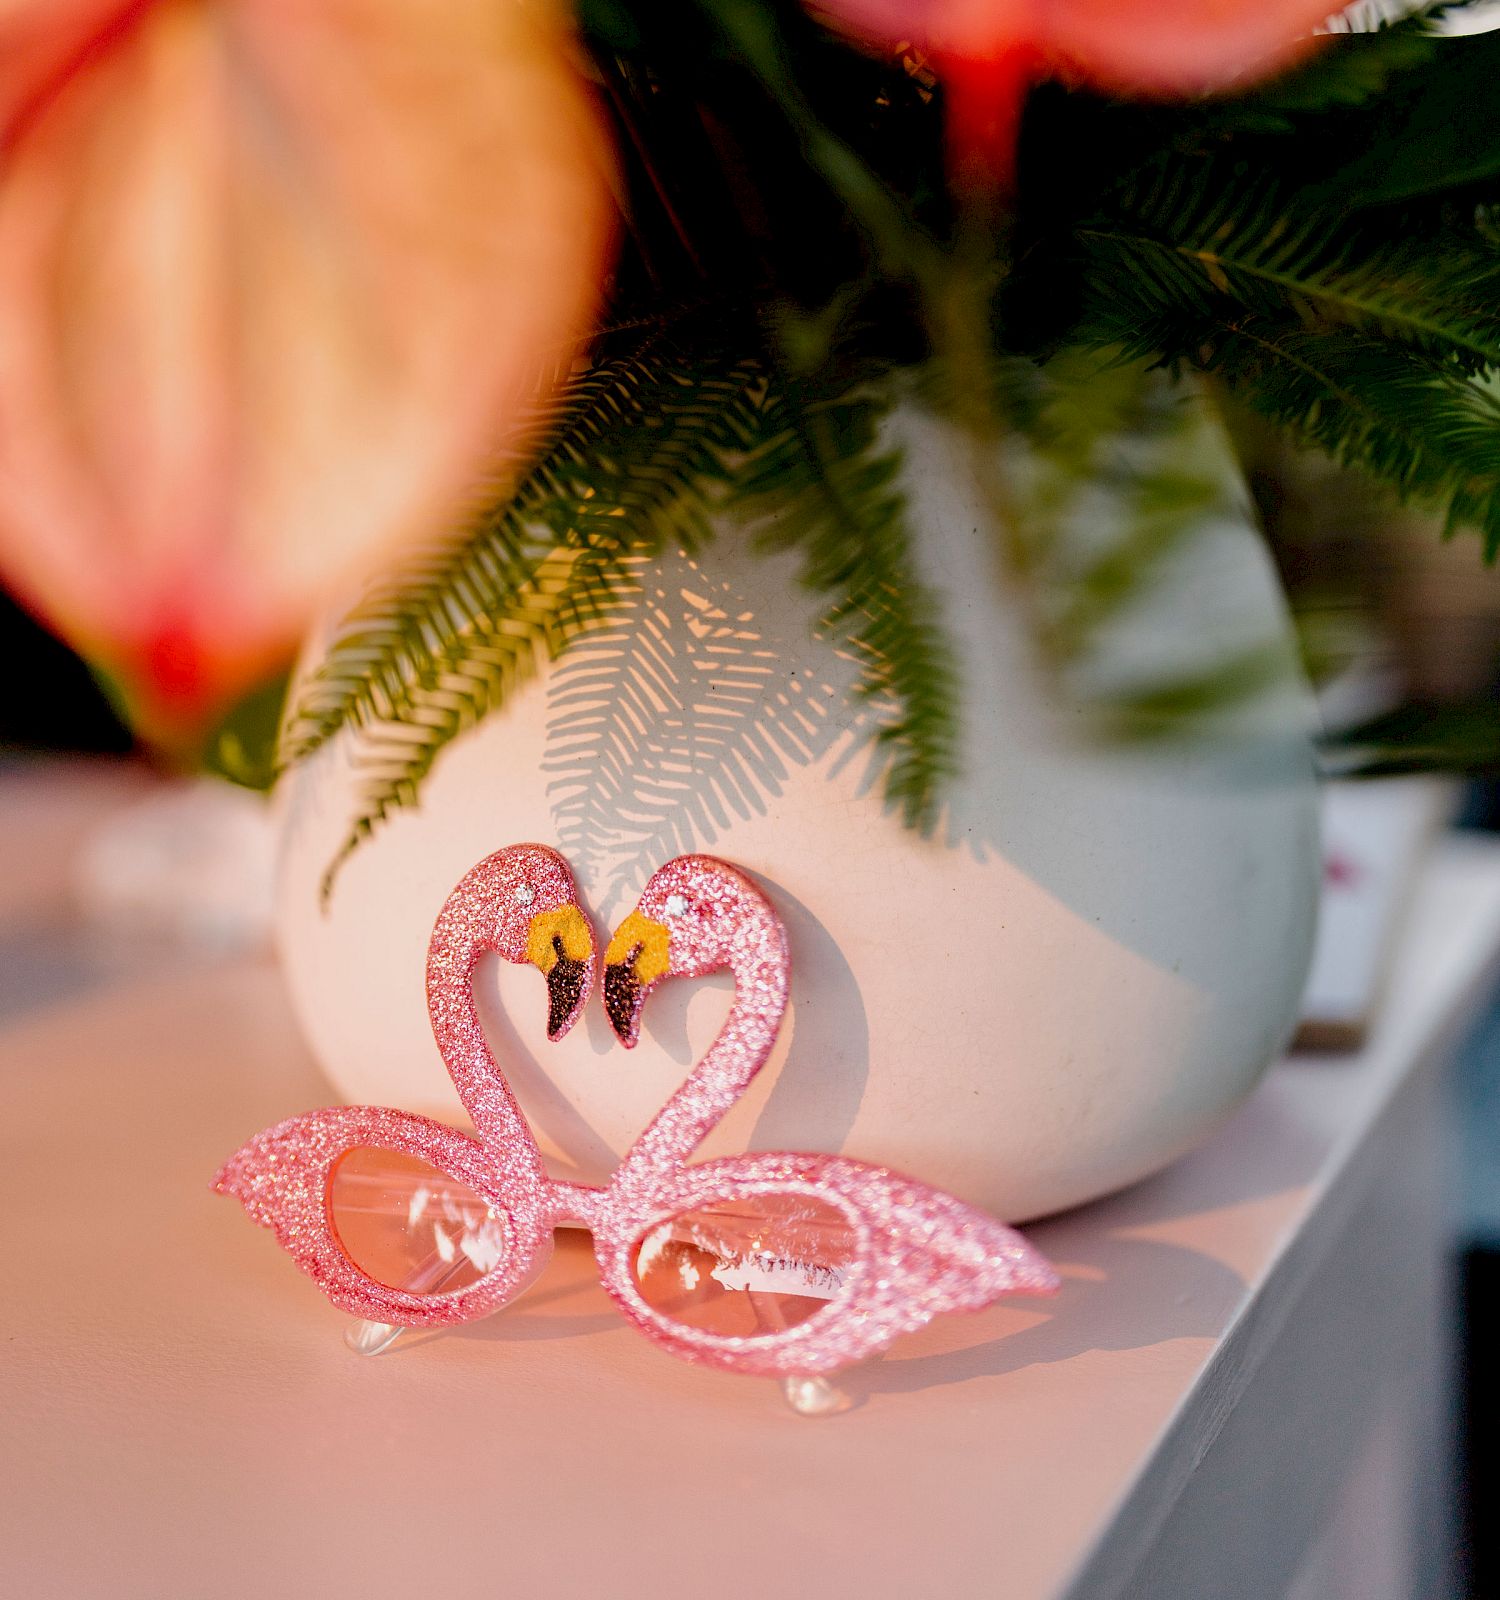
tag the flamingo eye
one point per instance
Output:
(525, 895)
(675, 905)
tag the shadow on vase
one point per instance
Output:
(816, 1095)
(703, 691)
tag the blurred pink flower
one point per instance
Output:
(989, 51)
(275, 276)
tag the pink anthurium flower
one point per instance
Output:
(275, 275)
(989, 51)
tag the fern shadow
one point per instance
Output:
(686, 708)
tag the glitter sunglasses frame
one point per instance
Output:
(913, 1251)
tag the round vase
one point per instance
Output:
(1083, 967)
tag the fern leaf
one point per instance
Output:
(1123, 475)
(646, 450)
(647, 466)
(1431, 432)
(833, 494)
(1199, 242)
(1348, 70)
(1437, 131)
(632, 431)
(472, 675)
(1119, 448)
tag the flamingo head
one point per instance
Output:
(694, 917)
(526, 908)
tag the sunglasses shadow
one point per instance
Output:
(1122, 1289)
(1119, 1293)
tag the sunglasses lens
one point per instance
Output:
(409, 1226)
(749, 1267)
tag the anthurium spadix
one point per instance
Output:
(275, 277)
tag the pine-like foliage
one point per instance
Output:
(1128, 455)
(1324, 246)
(825, 486)
(1198, 243)
(1372, 344)
(1123, 472)
(1428, 430)
(636, 460)
(648, 452)
(630, 438)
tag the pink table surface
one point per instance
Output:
(181, 1417)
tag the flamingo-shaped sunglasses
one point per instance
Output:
(784, 1265)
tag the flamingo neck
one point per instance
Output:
(452, 959)
(761, 971)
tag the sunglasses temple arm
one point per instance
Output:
(814, 1397)
(366, 1338)
(807, 1395)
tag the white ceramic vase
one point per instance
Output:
(1085, 969)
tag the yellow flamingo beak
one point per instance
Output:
(638, 957)
(560, 945)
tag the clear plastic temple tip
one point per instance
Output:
(370, 1338)
(814, 1397)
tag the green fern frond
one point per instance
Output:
(1200, 241)
(1436, 132)
(472, 675)
(1430, 432)
(642, 460)
(1426, 429)
(1116, 447)
(1124, 470)
(1173, 707)
(820, 482)
(1453, 737)
(1348, 70)
(632, 434)
(667, 446)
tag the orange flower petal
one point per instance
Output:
(1152, 45)
(1181, 46)
(988, 51)
(275, 275)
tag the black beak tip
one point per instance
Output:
(623, 998)
(567, 987)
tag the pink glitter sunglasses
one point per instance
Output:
(783, 1265)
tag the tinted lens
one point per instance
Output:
(409, 1226)
(746, 1267)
